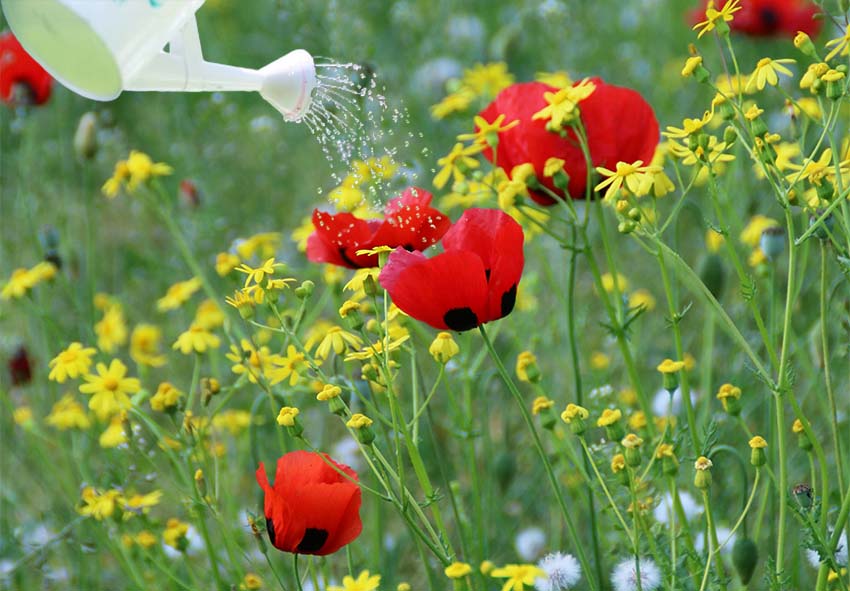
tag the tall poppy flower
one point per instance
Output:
(17, 67)
(20, 367)
(472, 282)
(312, 508)
(620, 127)
(769, 18)
(409, 221)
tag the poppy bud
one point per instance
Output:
(504, 467)
(20, 367)
(745, 556)
(772, 242)
(85, 138)
(711, 273)
(313, 506)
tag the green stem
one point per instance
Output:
(553, 480)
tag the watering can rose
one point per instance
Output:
(474, 281)
(313, 507)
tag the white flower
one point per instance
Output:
(664, 511)
(840, 552)
(723, 534)
(562, 572)
(625, 576)
(661, 402)
(529, 543)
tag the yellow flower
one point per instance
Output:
(22, 415)
(99, 505)
(453, 103)
(327, 392)
(252, 361)
(111, 331)
(376, 349)
(457, 570)
(526, 367)
(618, 463)
(562, 106)
(815, 171)
(641, 298)
(558, 79)
(751, 234)
(608, 283)
(243, 301)
(812, 74)
(633, 176)
(631, 441)
(540, 404)
(443, 347)
(19, 283)
(363, 582)
(609, 417)
(120, 175)
(487, 80)
(175, 534)
(574, 411)
(141, 168)
(209, 315)
(337, 340)
(196, 339)
(599, 360)
(258, 274)
(457, 163)
(251, 582)
(234, 421)
(286, 416)
(110, 389)
(664, 450)
(714, 240)
(552, 166)
(359, 421)
(486, 567)
(689, 127)
(178, 294)
(767, 72)
(842, 45)
(712, 16)
(115, 434)
(487, 133)
(703, 463)
(73, 362)
(166, 399)
(67, 413)
(144, 345)
(670, 366)
(691, 64)
(517, 575)
(225, 262)
(146, 539)
(290, 367)
(263, 244)
(797, 427)
(758, 442)
(637, 420)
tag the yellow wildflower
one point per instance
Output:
(457, 163)
(767, 72)
(562, 106)
(144, 345)
(363, 582)
(99, 505)
(73, 362)
(166, 399)
(196, 339)
(110, 389)
(141, 168)
(713, 16)
(289, 366)
(178, 294)
(517, 575)
(633, 176)
(443, 347)
(457, 570)
(115, 434)
(111, 331)
(67, 413)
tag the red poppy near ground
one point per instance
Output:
(20, 367)
(769, 18)
(312, 508)
(474, 281)
(19, 70)
(620, 126)
(409, 221)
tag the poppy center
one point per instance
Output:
(460, 319)
(508, 300)
(270, 529)
(769, 18)
(312, 541)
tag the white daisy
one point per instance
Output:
(529, 543)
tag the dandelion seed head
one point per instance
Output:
(562, 572)
(625, 577)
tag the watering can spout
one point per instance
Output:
(288, 84)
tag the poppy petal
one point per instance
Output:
(498, 240)
(411, 223)
(448, 291)
(337, 239)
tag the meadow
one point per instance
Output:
(415, 341)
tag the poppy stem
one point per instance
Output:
(538, 445)
(295, 571)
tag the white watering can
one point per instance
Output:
(97, 48)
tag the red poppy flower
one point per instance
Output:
(18, 67)
(620, 125)
(769, 18)
(311, 508)
(20, 367)
(474, 281)
(409, 222)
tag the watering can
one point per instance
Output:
(98, 48)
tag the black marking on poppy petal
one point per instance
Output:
(312, 541)
(346, 258)
(460, 319)
(409, 247)
(769, 18)
(270, 529)
(487, 274)
(508, 300)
